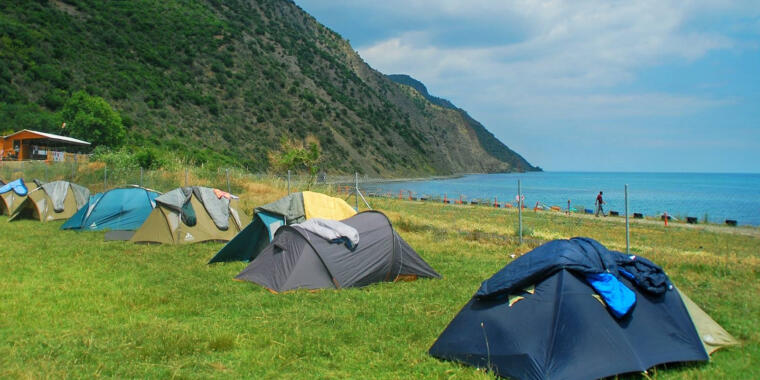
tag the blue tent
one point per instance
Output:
(117, 209)
(540, 318)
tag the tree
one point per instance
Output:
(297, 156)
(92, 119)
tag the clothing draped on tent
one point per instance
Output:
(290, 209)
(57, 191)
(332, 230)
(16, 186)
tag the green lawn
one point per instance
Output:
(72, 305)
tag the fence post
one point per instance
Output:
(186, 177)
(227, 171)
(47, 178)
(627, 229)
(288, 181)
(356, 189)
(105, 178)
(519, 209)
(141, 176)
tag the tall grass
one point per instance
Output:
(74, 306)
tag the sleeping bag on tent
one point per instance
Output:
(12, 196)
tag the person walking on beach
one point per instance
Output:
(599, 203)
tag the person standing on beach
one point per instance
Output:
(599, 203)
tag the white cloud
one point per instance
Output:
(571, 50)
(570, 72)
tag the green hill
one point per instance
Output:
(223, 81)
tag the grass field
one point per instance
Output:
(74, 306)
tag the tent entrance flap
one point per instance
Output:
(271, 222)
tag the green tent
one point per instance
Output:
(293, 208)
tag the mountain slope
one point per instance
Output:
(224, 81)
(487, 140)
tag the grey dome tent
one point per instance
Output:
(300, 259)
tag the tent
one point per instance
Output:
(300, 259)
(192, 215)
(123, 209)
(52, 201)
(293, 208)
(12, 195)
(553, 324)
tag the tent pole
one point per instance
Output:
(627, 229)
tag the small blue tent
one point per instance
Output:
(122, 209)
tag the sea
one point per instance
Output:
(714, 197)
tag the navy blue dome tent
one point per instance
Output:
(546, 316)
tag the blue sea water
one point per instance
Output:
(719, 196)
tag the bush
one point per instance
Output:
(92, 119)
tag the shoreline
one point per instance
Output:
(683, 197)
(746, 229)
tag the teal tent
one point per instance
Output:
(123, 209)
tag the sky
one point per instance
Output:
(583, 85)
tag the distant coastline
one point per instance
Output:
(711, 197)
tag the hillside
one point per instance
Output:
(487, 140)
(223, 81)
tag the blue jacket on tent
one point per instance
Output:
(580, 255)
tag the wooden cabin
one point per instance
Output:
(33, 145)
